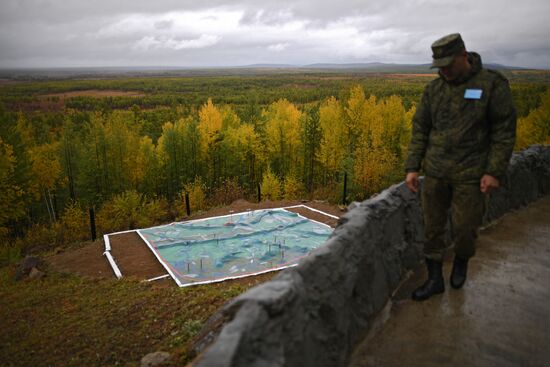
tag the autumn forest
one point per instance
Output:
(133, 148)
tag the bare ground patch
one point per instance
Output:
(88, 261)
(405, 75)
(133, 257)
(56, 101)
(8, 82)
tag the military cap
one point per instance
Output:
(445, 49)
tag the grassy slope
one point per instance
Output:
(68, 320)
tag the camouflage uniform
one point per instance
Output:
(458, 138)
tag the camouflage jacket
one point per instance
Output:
(464, 128)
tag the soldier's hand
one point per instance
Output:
(412, 181)
(488, 184)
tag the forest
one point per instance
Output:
(132, 149)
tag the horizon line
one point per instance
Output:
(318, 65)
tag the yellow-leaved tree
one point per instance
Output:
(11, 205)
(46, 170)
(109, 155)
(406, 136)
(283, 136)
(292, 188)
(333, 148)
(243, 146)
(210, 127)
(372, 167)
(196, 191)
(535, 127)
(147, 175)
(179, 154)
(355, 118)
(74, 222)
(271, 186)
(122, 143)
(381, 128)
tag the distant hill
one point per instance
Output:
(502, 67)
(377, 67)
(268, 66)
(253, 69)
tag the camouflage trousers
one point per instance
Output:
(467, 206)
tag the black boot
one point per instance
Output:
(458, 275)
(434, 284)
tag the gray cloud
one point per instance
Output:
(49, 33)
(164, 24)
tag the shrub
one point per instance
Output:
(74, 223)
(227, 193)
(292, 188)
(332, 192)
(154, 211)
(271, 186)
(9, 253)
(122, 212)
(131, 210)
(372, 169)
(197, 194)
(39, 237)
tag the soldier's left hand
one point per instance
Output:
(488, 184)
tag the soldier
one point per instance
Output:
(463, 136)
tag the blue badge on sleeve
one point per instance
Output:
(473, 94)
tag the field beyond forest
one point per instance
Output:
(139, 149)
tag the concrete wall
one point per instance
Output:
(315, 314)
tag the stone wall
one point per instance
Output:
(315, 314)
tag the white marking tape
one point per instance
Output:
(315, 210)
(107, 242)
(113, 264)
(160, 260)
(158, 278)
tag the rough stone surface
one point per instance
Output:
(155, 359)
(209, 332)
(25, 267)
(36, 274)
(315, 314)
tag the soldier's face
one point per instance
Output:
(450, 72)
(456, 69)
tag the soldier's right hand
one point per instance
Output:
(412, 181)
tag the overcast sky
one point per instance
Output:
(65, 33)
